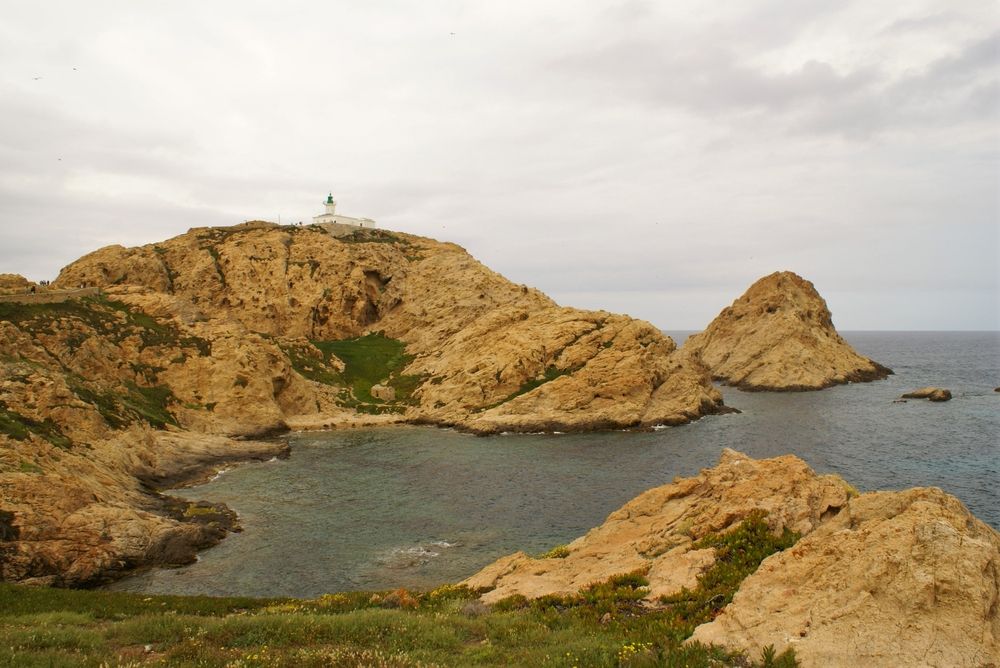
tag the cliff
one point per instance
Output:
(779, 336)
(905, 578)
(246, 331)
(481, 353)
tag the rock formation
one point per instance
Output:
(489, 355)
(655, 531)
(896, 578)
(779, 336)
(929, 393)
(884, 578)
(250, 330)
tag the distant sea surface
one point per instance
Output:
(417, 507)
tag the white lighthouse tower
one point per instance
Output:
(331, 216)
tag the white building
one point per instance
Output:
(331, 216)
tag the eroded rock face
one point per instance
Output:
(896, 578)
(657, 529)
(779, 336)
(496, 356)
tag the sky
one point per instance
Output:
(649, 158)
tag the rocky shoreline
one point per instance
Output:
(906, 578)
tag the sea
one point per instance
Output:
(416, 507)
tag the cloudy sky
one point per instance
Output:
(652, 158)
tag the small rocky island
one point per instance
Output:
(779, 336)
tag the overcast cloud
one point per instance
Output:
(642, 157)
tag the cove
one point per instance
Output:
(417, 506)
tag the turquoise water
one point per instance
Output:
(417, 507)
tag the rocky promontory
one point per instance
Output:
(905, 578)
(140, 365)
(779, 336)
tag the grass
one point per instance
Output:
(368, 360)
(603, 625)
(737, 555)
(19, 427)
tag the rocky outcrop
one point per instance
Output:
(247, 331)
(905, 578)
(896, 578)
(81, 516)
(656, 531)
(929, 393)
(494, 356)
(14, 284)
(779, 336)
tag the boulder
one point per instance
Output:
(779, 336)
(383, 392)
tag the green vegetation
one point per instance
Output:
(76, 320)
(28, 467)
(119, 409)
(373, 236)
(551, 373)
(150, 404)
(368, 360)
(19, 426)
(603, 626)
(558, 552)
(738, 554)
(112, 319)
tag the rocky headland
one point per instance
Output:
(779, 336)
(905, 578)
(140, 366)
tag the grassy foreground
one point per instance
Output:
(604, 625)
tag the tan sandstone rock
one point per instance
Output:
(655, 531)
(779, 336)
(895, 579)
(497, 356)
(929, 393)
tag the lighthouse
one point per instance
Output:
(331, 216)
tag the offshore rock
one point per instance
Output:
(929, 393)
(895, 579)
(655, 532)
(779, 336)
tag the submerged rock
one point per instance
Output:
(779, 336)
(929, 393)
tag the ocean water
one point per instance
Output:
(417, 506)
